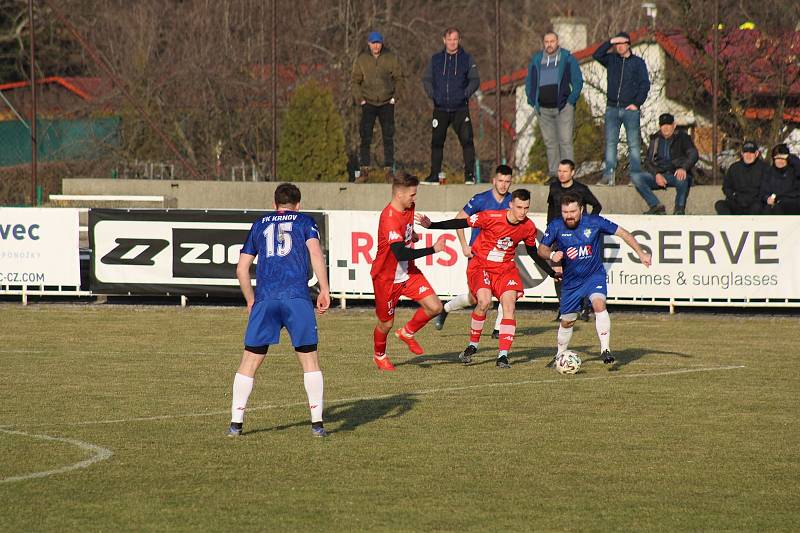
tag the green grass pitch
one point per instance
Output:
(112, 418)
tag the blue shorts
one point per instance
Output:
(572, 297)
(268, 317)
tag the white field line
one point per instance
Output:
(98, 454)
(560, 381)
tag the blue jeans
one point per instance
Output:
(646, 182)
(615, 118)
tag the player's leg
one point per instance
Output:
(386, 296)
(483, 301)
(497, 321)
(462, 301)
(570, 305)
(602, 323)
(301, 323)
(508, 326)
(263, 328)
(418, 289)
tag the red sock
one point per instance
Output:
(417, 322)
(507, 329)
(476, 327)
(379, 339)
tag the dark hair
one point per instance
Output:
(451, 29)
(404, 179)
(569, 198)
(569, 162)
(505, 170)
(287, 194)
(522, 194)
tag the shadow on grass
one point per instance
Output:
(348, 416)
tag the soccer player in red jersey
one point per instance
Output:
(492, 270)
(394, 273)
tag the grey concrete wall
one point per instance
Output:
(369, 197)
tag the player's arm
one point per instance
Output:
(318, 266)
(402, 253)
(541, 262)
(453, 223)
(466, 249)
(630, 240)
(243, 275)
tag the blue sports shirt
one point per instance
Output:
(484, 201)
(582, 246)
(278, 240)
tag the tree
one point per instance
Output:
(312, 138)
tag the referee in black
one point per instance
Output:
(565, 183)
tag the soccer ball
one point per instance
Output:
(568, 362)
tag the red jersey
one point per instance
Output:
(497, 242)
(393, 226)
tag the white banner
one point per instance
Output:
(39, 247)
(694, 257)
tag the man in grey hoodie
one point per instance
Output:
(553, 86)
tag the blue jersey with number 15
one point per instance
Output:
(278, 240)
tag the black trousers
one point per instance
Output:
(726, 207)
(385, 114)
(460, 122)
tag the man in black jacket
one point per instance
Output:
(449, 80)
(742, 183)
(780, 188)
(670, 159)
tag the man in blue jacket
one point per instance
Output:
(553, 87)
(450, 79)
(627, 86)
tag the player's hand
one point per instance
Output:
(466, 250)
(250, 302)
(414, 236)
(323, 301)
(680, 174)
(557, 257)
(440, 243)
(646, 259)
(422, 220)
(661, 181)
(557, 275)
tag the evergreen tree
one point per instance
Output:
(312, 138)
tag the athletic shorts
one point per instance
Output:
(496, 280)
(416, 287)
(572, 297)
(268, 317)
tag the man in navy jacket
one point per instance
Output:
(553, 87)
(450, 79)
(627, 86)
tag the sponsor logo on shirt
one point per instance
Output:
(473, 218)
(393, 235)
(423, 289)
(580, 251)
(587, 232)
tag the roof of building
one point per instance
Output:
(88, 89)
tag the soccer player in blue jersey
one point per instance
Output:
(495, 199)
(579, 239)
(283, 240)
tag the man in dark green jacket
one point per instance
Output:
(376, 81)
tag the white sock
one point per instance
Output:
(602, 322)
(499, 317)
(242, 387)
(563, 338)
(314, 387)
(459, 302)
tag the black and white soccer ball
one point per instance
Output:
(568, 362)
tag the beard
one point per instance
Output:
(571, 223)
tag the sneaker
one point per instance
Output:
(466, 356)
(584, 314)
(606, 180)
(469, 180)
(608, 359)
(438, 322)
(502, 362)
(383, 363)
(235, 430)
(496, 334)
(552, 362)
(430, 180)
(658, 209)
(318, 431)
(679, 211)
(412, 344)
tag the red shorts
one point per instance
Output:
(387, 293)
(496, 280)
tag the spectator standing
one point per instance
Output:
(627, 86)
(450, 79)
(742, 183)
(670, 159)
(553, 86)
(377, 78)
(780, 189)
